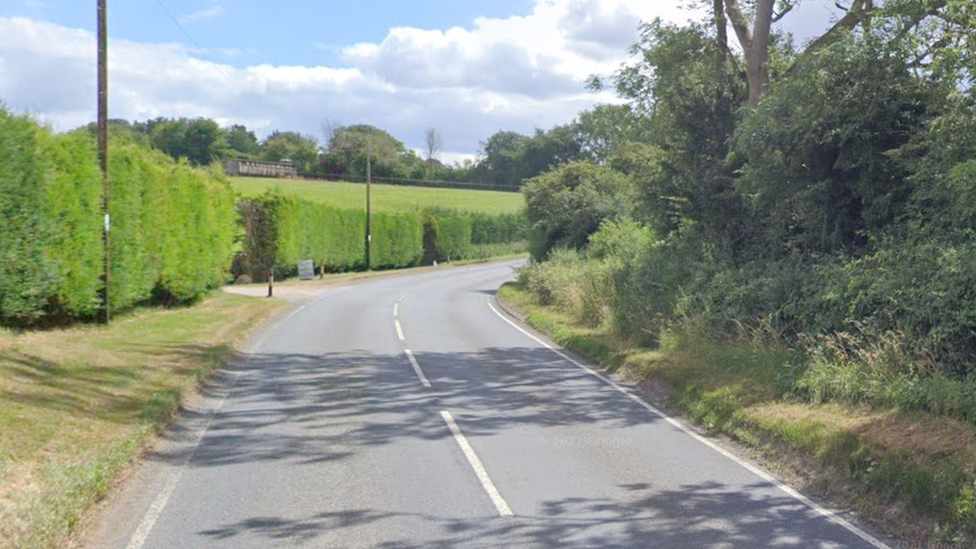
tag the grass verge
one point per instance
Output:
(77, 405)
(912, 475)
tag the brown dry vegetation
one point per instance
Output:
(77, 404)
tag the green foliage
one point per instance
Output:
(281, 230)
(27, 276)
(679, 164)
(200, 140)
(567, 205)
(348, 147)
(301, 149)
(398, 239)
(172, 226)
(501, 228)
(242, 142)
(73, 200)
(447, 236)
(823, 172)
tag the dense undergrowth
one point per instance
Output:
(630, 300)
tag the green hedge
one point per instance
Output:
(447, 237)
(498, 228)
(27, 276)
(450, 234)
(280, 230)
(398, 239)
(172, 226)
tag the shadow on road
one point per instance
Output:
(307, 410)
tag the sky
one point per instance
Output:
(466, 68)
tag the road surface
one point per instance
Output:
(409, 412)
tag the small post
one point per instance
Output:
(369, 180)
(271, 282)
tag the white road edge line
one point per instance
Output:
(396, 310)
(155, 510)
(416, 368)
(479, 470)
(827, 513)
(399, 330)
(141, 535)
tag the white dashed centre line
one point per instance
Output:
(479, 470)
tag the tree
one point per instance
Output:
(689, 112)
(303, 150)
(602, 131)
(500, 162)
(242, 142)
(939, 31)
(345, 153)
(824, 171)
(200, 140)
(432, 147)
(567, 205)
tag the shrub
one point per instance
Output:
(568, 204)
(73, 203)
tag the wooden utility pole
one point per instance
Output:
(103, 156)
(369, 180)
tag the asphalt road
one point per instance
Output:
(328, 436)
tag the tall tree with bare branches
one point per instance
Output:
(433, 143)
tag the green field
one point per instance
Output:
(385, 197)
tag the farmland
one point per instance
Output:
(385, 197)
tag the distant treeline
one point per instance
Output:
(172, 226)
(505, 159)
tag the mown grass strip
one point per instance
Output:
(76, 405)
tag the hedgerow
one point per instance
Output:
(172, 227)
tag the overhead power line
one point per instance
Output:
(206, 56)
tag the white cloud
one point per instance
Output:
(514, 73)
(215, 9)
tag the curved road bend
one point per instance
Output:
(328, 436)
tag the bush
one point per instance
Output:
(73, 203)
(172, 227)
(568, 204)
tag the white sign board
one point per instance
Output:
(306, 270)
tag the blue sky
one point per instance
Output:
(467, 68)
(304, 32)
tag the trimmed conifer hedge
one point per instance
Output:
(280, 230)
(172, 229)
